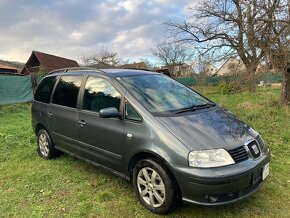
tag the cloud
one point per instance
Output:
(69, 27)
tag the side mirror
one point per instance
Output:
(109, 112)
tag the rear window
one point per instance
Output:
(67, 90)
(44, 89)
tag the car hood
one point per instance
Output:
(208, 128)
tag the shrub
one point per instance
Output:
(225, 87)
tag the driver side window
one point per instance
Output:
(100, 94)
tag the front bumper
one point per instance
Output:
(222, 185)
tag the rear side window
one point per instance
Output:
(44, 89)
(66, 91)
(100, 94)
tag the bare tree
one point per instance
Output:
(171, 54)
(243, 28)
(102, 55)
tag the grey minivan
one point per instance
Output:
(170, 141)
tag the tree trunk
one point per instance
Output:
(252, 82)
(250, 78)
(285, 95)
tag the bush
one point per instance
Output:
(224, 87)
(227, 87)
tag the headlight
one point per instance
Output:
(210, 158)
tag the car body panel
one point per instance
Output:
(102, 138)
(197, 185)
(152, 137)
(113, 143)
(62, 123)
(208, 129)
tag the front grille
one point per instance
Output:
(260, 141)
(239, 154)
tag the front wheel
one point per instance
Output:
(154, 186)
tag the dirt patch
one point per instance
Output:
(249, 105)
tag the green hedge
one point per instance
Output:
(192, 81)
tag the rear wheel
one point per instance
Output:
(45, 147)
(154, 186)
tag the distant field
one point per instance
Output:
(33, 187)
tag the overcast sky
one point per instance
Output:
(70, 27)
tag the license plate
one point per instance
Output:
(266, 171)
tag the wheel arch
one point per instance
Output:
(150, 155)
(38, 127)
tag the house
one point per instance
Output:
(163, 70)
(101, 66)
(39, 62)
(177, 70)
(210, 70)
(5, 69)
(230, 67)
(184, 70)
(135, 65)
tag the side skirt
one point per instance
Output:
(107, 169)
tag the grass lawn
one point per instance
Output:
(33, 187)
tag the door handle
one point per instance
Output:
(82, 123)
(49, 114)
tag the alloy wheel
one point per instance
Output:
(43, 144)
(151, 187)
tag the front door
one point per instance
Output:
(100, 138)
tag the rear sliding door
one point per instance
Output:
(62, 113)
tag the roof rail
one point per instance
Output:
(71, 69)
(136, 68)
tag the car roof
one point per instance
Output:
(106, 72)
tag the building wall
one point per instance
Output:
(232, 66)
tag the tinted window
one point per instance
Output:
(44, 89)
(131, 113)
(159, 93)
(66, 91)
(99, 94)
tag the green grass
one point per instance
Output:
(34, 187)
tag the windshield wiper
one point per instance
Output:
(194, 108)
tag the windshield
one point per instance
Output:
(159, 93)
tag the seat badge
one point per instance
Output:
(255, 149)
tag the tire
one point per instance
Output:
(154, 186)
(45, 146)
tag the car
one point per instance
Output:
(170, 141)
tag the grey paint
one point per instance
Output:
(112, 142)
(208, 128)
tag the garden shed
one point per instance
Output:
(5, 69)
(39, 62)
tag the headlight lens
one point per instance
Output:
(210, 158)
